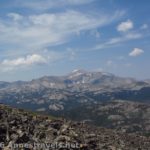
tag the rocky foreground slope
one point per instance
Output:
(30, 130)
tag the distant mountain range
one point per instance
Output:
(78, 80)
(78, 94)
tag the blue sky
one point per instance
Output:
(47, 37)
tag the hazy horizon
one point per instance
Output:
(67, 73)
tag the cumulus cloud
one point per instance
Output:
(44, 58)
(125, 26)
(136, 52)
(29, 60)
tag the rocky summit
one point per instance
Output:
(20, 129)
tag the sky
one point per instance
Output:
(47, 37)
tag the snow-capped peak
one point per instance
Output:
(77, 72)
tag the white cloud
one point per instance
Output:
(40, 59)
(125, 26)
(124, 38)
(36, 32)
(34, 59)
(119, 40)
(15, 16)
(136, 52)
(44, 58)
